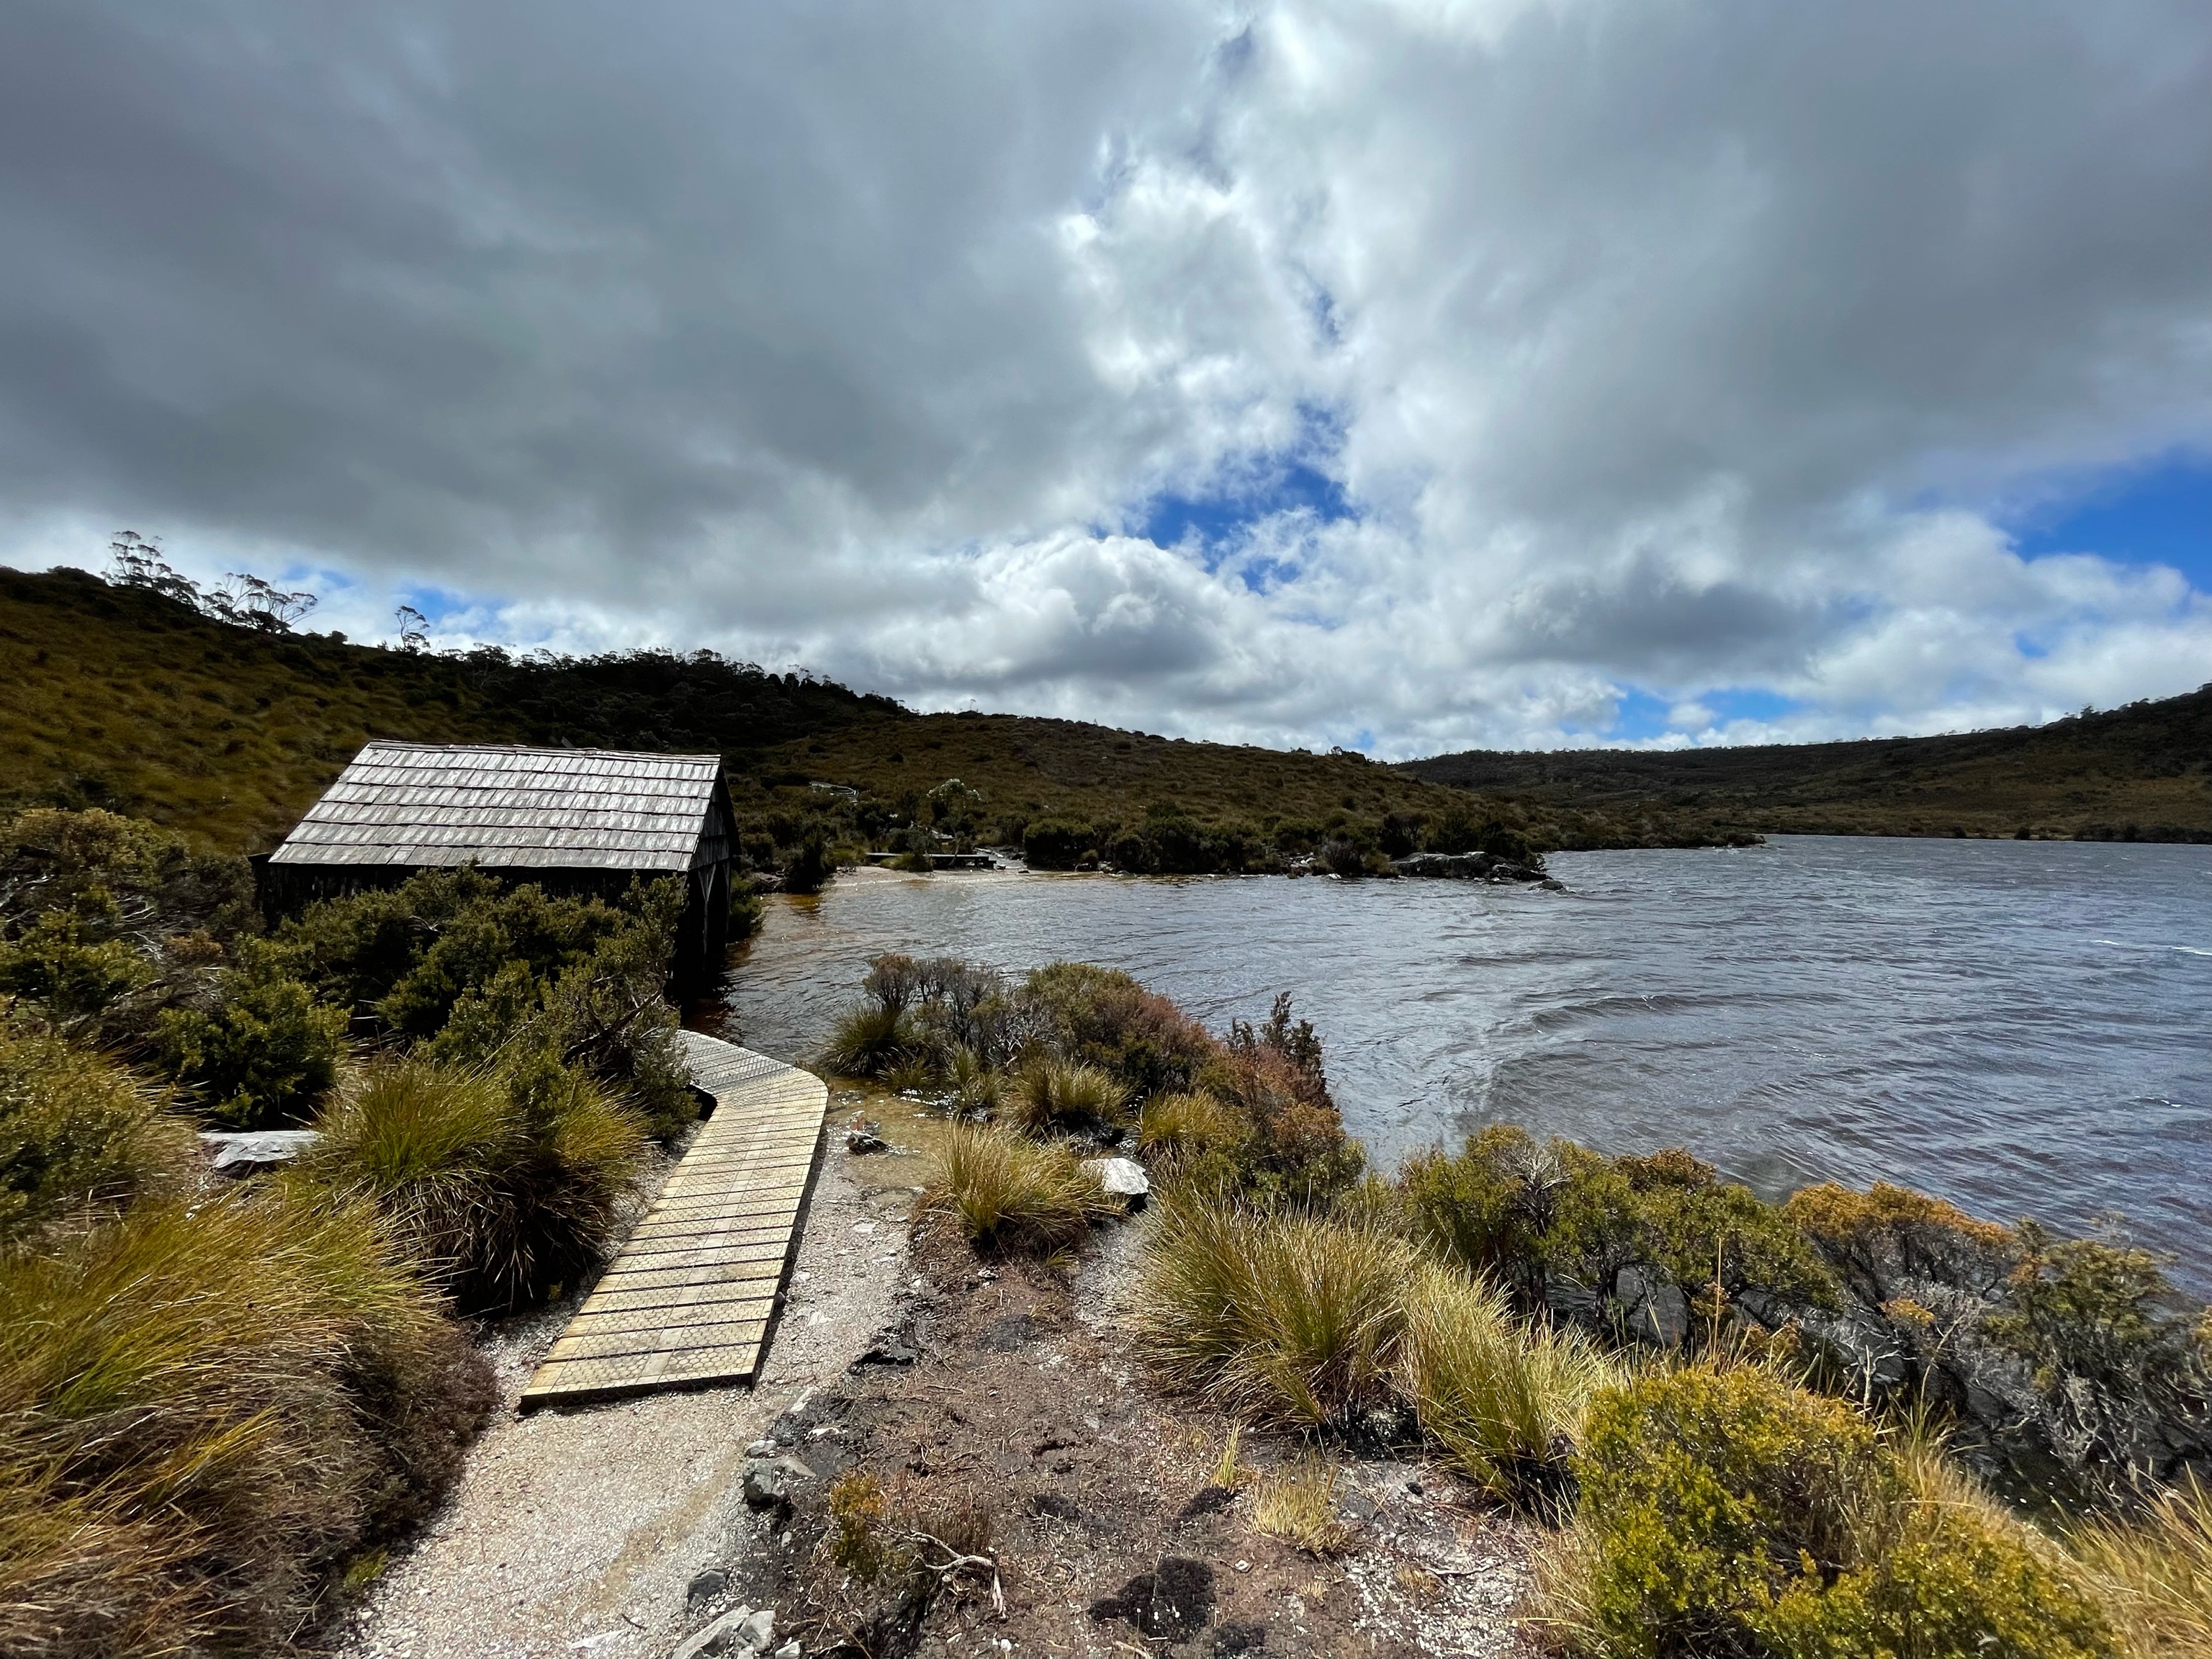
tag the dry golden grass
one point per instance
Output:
(78, 1135)
(1174, 1127)
(1290, 1319)
(1299, 1505)
(201, 1410)
(1007, 1194)
(1506, 1400)
(499, 1187)
(1051, 1098)
(2155, 1571)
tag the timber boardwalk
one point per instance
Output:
(688, 1301)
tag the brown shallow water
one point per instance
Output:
(2018, 1027)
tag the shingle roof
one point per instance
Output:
(431, 804)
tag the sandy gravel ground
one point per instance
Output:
(577, 1532)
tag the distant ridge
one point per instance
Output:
(2139, 773)
(122, 697)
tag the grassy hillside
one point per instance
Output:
(2141, 772)
(124, 698)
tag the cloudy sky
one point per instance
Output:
(1410, 376)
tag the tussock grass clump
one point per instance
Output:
(1291, 1319)
(1176, 1129)
(978, 1091)
(1011, 1195)
(2154, 1570)
(1505, 1399)
(1053, 1098)
(502, 1184)
(1299, 1505)
(202, 1412)
(78, 1134)
(869, 1040)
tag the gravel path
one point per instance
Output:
(576, 1532)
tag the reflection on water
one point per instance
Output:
(2019, 1027)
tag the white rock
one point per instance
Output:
(720, 1636)
(243, 1152)
(1122, 1177)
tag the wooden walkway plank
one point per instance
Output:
(690, 1299)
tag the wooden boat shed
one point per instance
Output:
(574, 821)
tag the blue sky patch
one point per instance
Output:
(2156, 515)
(1639, 716)
(1218, 517)
(1249, 491)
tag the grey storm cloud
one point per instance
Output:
(1674, 347)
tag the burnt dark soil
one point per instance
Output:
(1024, 1432)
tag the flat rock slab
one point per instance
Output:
(240, 1152)
(687, 1302)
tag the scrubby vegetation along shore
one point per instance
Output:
(1075, 796)
(217, 1402)
(2139, 773)
(1745, 1429)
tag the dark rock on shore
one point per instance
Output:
(1465, 866)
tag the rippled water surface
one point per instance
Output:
(2021, 1027)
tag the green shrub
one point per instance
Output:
(2084, 1308)
(1292, 1148)
(746, 909)
(203, 1412)
(69, 960)
(480, 972)
(502, 1184)
(53, 860)
(1670, 1214)
(1459, 831)
(410, 953)
(1707, 1492)
(1051, 1098)
(1728, 1511)
(78, 1134)
(1056, 844)
(1524, 1215)
(1488, 1209)
(262, 1054)
(607, 1014)
(1290, 1318)
(1342, 857)
(1006, 1194)
(1092, 1016)
(810, 865)
(1506, 1400)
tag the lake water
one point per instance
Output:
(2019, 1027)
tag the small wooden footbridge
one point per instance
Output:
(690, 1299)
